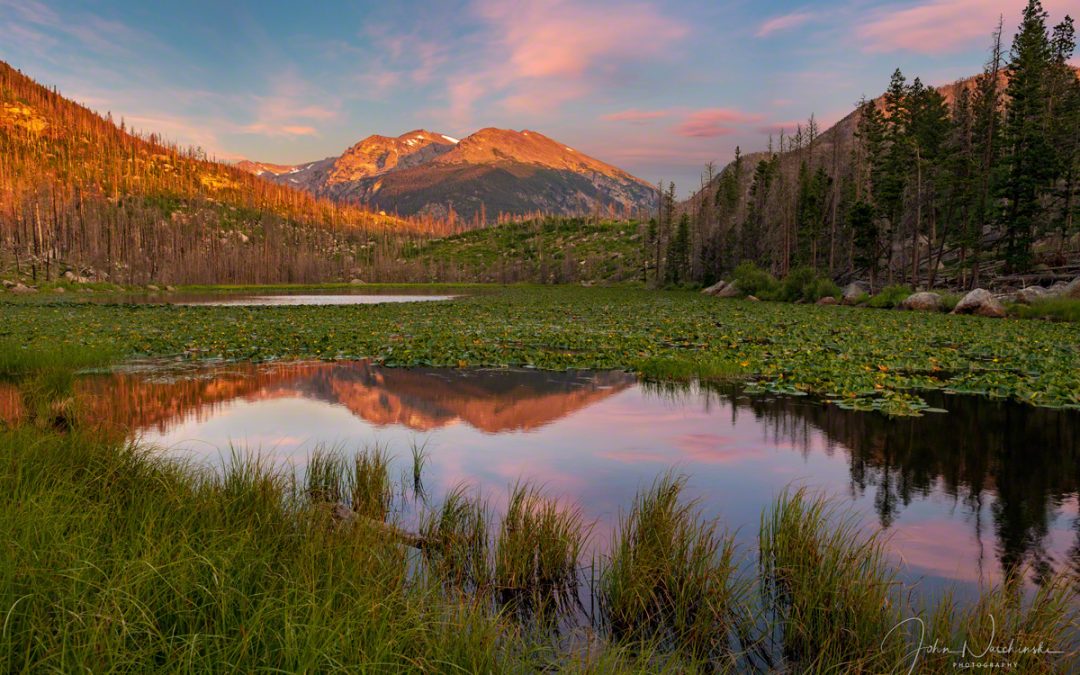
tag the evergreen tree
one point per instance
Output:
(1028, 150)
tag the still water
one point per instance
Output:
(964, 496)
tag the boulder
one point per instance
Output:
(715, 288)
(152, 288)
(59, 289)
(980, 303)
(22, 288)
(729, 291)
(8, 283)
(827, 300)
(1030, 294)
(1071, 290)
(853, 291)
(922, 302)
(752, 298)
(357, 282)
(170, 289)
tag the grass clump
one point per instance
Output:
(890, 297)
(830, 589)
(457, 541)
(370, 489)
(537, 551)
(671, 577)
(687, 369)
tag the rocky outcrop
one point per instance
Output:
(980, 302)
(922, 302)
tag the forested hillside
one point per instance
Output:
(959, 185)
(82, 194)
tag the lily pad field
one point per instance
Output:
(860, 358)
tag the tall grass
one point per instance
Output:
(538, 551)
(45, 375)
(458, 542)
(831, 589)
(671, 577)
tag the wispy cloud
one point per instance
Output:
(712, 122)
(941, 26)
(782, 23)
(546, 52)
(635, 116)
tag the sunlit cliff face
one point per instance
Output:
(420, 399)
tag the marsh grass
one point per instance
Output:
(419, 460)
(458, 541)
(44, 377)
(689, 368)
(370, 489)
(538, 552)
(671, 577)
(829, 586)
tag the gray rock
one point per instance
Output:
(752, 298)
(1030, 294)
(729, 291)
(357, 282)
(1071, 290)
(827, 300)
(922, 302)
(853, 291)
(980, 303)
(715, 288)
(23, 288)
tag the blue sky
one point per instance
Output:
(655, 87)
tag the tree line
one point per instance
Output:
(922, 186)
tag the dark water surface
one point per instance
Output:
(964, 496)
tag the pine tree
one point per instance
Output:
(1027, 138)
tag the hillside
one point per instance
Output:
(548, 250)
(793, 205)
(80, 193)
(488, 174)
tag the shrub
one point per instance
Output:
(805, 285)
(752, 280)
(890, 297)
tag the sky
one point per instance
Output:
(656, 87)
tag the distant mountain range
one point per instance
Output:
(485, 174)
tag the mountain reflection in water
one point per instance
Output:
(990, 487)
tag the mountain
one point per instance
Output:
(81, 193)
(489, 173)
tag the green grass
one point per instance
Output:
(890, 297)
(837, 353)
(1054, 309)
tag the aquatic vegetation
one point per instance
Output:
(538, 550)
(457, 541)
(370, 488)
(671, 577)
(835, 353)
(831, 588)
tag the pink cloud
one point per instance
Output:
(712, 122)
(940, 26)
(278, 130)
(776, 127)
(635, 116)
(544, 53)
(781, 23)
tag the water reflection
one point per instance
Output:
(966, 496)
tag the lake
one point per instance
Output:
(964, 496)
